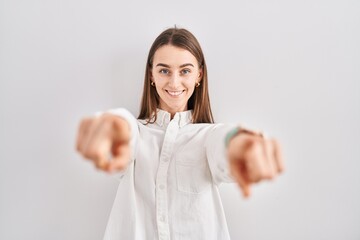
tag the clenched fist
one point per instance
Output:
(105, 141)
(253, 158)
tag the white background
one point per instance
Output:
(291, 68)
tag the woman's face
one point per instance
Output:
(175, 73)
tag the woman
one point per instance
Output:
(172, 159)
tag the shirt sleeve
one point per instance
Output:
(134, 134)
(216, 153)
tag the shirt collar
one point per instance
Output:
(182, 118)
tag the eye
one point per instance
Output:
(185, 71)
(164, 71)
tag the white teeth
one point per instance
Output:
(175, 93)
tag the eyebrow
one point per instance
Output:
(181, 66)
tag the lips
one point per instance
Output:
(175, 93)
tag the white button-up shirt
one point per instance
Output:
(170, 188)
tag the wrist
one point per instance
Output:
(241, 130)
(231, 134)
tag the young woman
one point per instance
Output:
(172, 158)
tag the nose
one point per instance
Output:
(174, 81)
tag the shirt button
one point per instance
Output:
(165, 159)
(162, 187)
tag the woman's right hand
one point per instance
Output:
(104, 140)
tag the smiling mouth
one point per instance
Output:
(175, 93)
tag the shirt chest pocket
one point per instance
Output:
(192, 175)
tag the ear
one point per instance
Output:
(151, 75)
(200, 74)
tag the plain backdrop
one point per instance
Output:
(291, 68)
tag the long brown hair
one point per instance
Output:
(199, 101)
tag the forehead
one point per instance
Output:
(173, 56)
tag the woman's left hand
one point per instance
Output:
(253, 158)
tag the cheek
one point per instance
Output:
(158, 88)
(190, 87)
(157, 77)
(190, 81)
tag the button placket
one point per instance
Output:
(161, 179)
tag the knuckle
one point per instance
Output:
(253, 148)
(97, 164)
(276, 144)
(256, 179)
(92, 153)
(86, 121)
(270, 175)
(95, 154)
(254, 176)
(251, 141)
(107, 117)
(100, 164)
(264, 174)
(281, 168)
